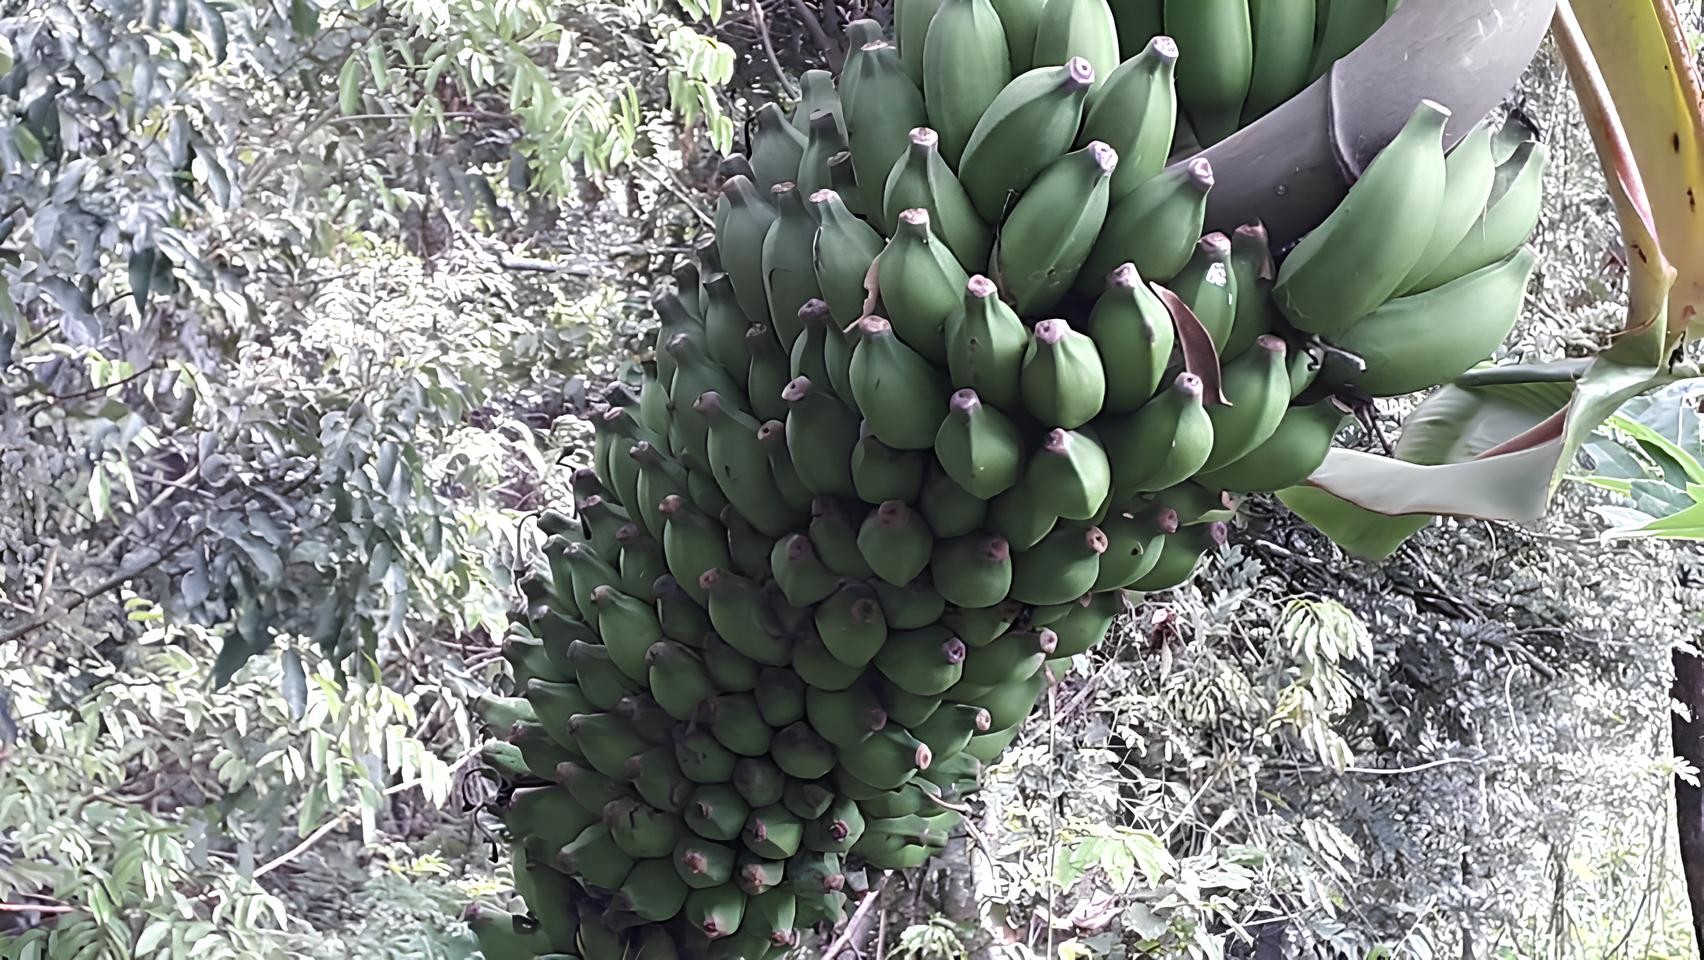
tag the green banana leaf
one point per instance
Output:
(1651, 454)
(1492, 459)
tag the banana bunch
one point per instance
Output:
(1241, 58)
(956, 379)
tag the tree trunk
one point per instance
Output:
(1688, 733)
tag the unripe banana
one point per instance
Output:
(1257, 390)
(827, 140)
(674, 320)
(882, 106)
(923, 663)
(740, 236)
(1208, 287)
(1215, 42)
(816, 95)
(741, 466)
(801, 754)
(692, 544)
(821, 434)
(834, 534)
(776, 147)
(1031, 123)
(1077, 28)
(780, 696)
(1133, 333)
(1350, 264)
(629, 626)
(843, 250)
(1023, 515)
(1293, 452)
(861, 32)
(1470, 175)
(1155, 227)
(715, 912)
(1060, 568)
(881, 473)
(978, 447)
(1133, 544)
(921, 282)
(974, 571)
(843, 179)
(912, 605)
(949, 509)
(773, 833)
(985, 344)
(1182, 552)
(851, 624)
(896, 543)
(965, 66)
(911, 19)
(725, 326)
(696, 375)
(1064, 384)
(1511, 212)
(1252, 273)
(1019, 20)
(1342, 26)
(1073, 469)
(505, 936)
(746, 544)
(1135, 112)
(810, 351)
(1163, 443)
(1139, 21)
(789, 276)
(1283, 33)
(1051, 229)
(899, 392)
(923, 180)
(1421, 340)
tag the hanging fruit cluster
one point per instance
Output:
(956, 371)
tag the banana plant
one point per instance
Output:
(1497, 442)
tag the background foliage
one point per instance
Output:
(300, 298)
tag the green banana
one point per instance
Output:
(898, 391)
(757, 876)
(973, 571)
(1183, 550)
(965, 66)
(789, 275)
(1470, 170)
(1061, 567)
(657, 778)
(978, 447)
(837, 829)
(921, 662)
(920, 282)
(1077, 28)
(652, 892)
(912, 605)
(646, 716)
(948, 731)
(1283, 32)
(949, 509)
(505, 760)
(702, 757)
(911, 21)
(1007, 705)
(740, 235)
(816, 95)
(629, 626)
(692, 544)
(896, 543)
(715, 911)
(1510, 214)
(640, 830)
(1288, 457)
(589, 788)
(883, 105)
(851, 624)
(886, 760)
(1063, 382)
(881, 473)
(1053, 225)
(808, 801)
(776, 147)
(1155, 226)
(773, 833)
(1133, 544)
(1418, 341)
(780, 696)
(1023, 515)
(1013, 657)
(843, 179)
(801, 754)
(1207, 286)
(551, 815)
(607, 740)
(834, 534)
(505, 936)
(810, 351)
(826, 139)
(702, 865)
(1032, 122)
(1257, 390)
(908, 709)
(1134, 112)
(641, 560)
(1215, 41)
(1088, 622)
(923, 180)
(695, 375)
(736, 723)
(844, 717)
(1138, 22)
(1019, 20)
(985, 344)
(843, 250)
(673, 319)
(803, 579)
(1133, 333)
(1351, 264)
(742, 616)
(741, 466)
(1252, 273)
(501, 713)
(821, 435)
(1342, 26)
(597, 676)
(1075, 472)
(716, 812)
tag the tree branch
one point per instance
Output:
(858, 917)
(81, 596)
(762, 25)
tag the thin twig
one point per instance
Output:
(858, 916)
(762, 26)
(79, 597)
(813, 26)
(35, 908)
